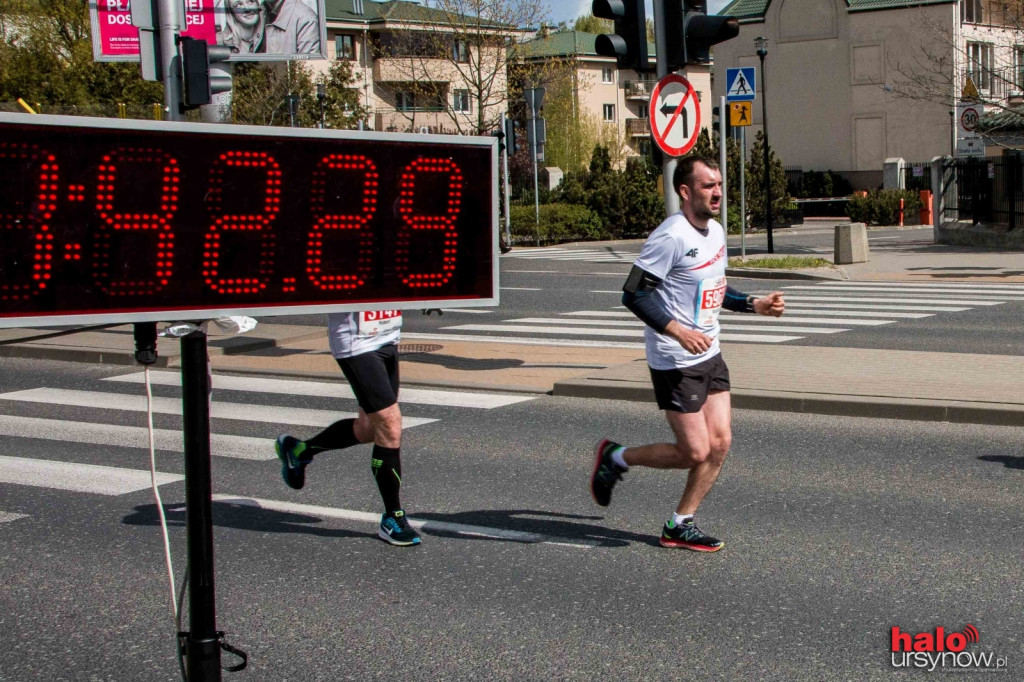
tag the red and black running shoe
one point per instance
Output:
(606, 473)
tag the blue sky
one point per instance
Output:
(568, 10)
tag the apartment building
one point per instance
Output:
(419, 68)
(618, 97)
(853, 82)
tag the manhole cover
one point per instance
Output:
(409, 348)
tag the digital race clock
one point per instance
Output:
(106, 220)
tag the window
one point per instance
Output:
(979, 64)
(609, 112)
(460, 100)
(970, 11)
(607, 76)
(345, 47)
(404, 100)
(1018, 67)
(460, 52)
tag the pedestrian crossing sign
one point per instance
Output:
(741, 83)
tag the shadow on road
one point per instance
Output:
(549, 526)
(1009, 461)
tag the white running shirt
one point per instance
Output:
(356, 333)
(691, 267)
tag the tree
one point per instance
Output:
(458, 54)
(46, 57)
(260, 92)
(755, 183)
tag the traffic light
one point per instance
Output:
(510, 137)
(629, 42)
(197, 85)
(690, 32)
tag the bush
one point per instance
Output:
(558, 223)
(882, 207)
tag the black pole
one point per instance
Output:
(202, 647)
(767, 168)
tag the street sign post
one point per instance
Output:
(969, 142)
(674, 115)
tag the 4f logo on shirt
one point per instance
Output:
(692, 253)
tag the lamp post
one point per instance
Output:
(761, 43)
(321, 95)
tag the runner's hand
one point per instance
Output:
(772, 304)
(693, 341)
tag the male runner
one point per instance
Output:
(365, 345)
(677, 287)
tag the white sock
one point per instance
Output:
(679, 519)
(617, 458)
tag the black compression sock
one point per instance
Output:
(341, 434)
(387, 471)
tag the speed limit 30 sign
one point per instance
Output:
(968, 116)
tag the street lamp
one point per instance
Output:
(321, 95)
(761, 43)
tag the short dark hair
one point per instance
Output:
(685, 168)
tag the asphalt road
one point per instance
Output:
(835, 531)
(572, 293)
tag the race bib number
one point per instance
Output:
(376, 322)
(710, 296)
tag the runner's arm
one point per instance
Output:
(739, 302)
(638, 297)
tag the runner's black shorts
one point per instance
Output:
(686, 390)
(373, 377)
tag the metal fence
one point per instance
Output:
(989, 190)
(917, 176)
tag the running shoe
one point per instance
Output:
(395, 529)
(606, 473)
(689, 536)
(293, 467)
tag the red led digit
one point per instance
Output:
(317, 262)
(441, 226)
(112, 257)
(28, 217)
(249, 222)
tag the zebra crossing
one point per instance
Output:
(811, 309)
(586, 255)
(117, 397)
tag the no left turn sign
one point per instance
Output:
(675, 115)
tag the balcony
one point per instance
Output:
(996, 84)
(638, 127)
(639, 89)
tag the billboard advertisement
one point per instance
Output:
(255, 30)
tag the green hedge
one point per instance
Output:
(882, 207)
(558, 223)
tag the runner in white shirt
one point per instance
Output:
(365, 344)
(677, 287)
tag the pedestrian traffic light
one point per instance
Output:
(629, 42)
(510, 137)
(197, 85)
(690, 32)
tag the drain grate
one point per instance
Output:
(410, 348)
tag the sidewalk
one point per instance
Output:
(838, 381)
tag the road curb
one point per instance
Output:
(914, 409)
(765, 273)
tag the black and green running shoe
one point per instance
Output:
(606, 473)
(293, 465)
(395, 529)
(688, 536)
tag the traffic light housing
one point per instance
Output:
(510, 137)
(691, 32)
(629, 42)
(197, 85)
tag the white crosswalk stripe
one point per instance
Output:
(562, 254)
(811, 309)
(80, 477)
